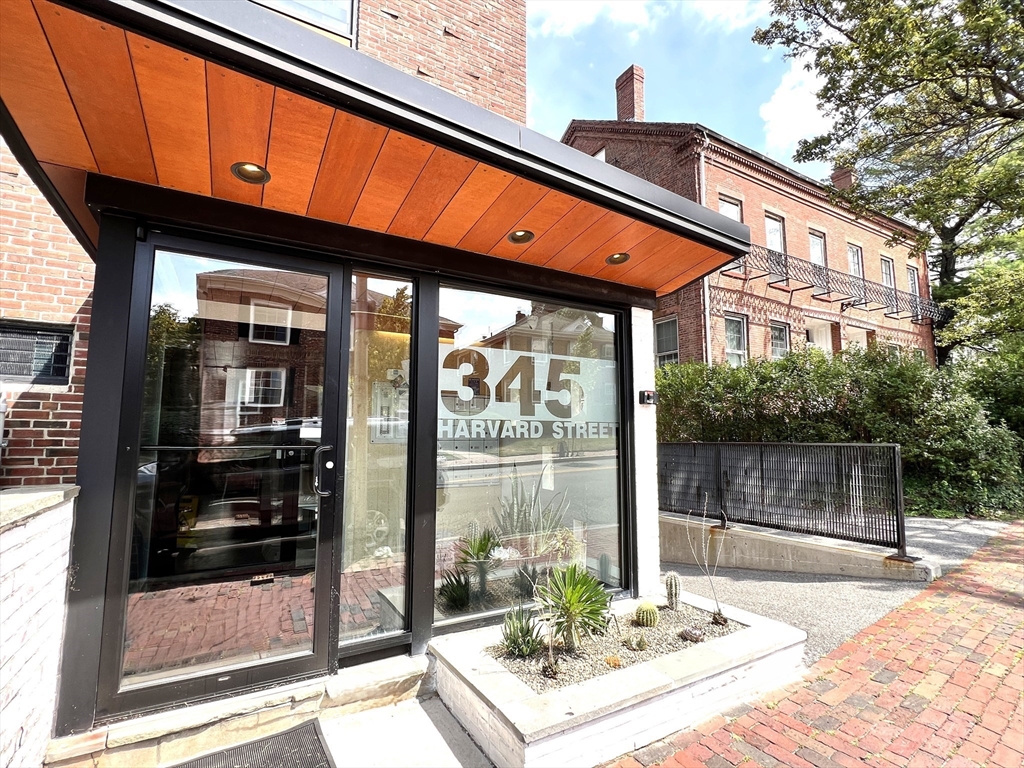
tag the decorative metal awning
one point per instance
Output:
(176, 95)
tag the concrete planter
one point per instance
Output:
(594, 721)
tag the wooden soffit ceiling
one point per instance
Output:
(89, 96)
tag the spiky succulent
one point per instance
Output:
(673, 586)
(646, 615)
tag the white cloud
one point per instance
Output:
(792, 114)
(563, 18)
(728, 14)
(566, 17)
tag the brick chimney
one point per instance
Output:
(629, 94)
(844, 178)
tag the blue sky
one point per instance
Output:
(699, 64)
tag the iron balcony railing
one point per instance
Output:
(830, 285)
(847, 491)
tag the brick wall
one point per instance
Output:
(45, 276)
(33, 592)
(668, 154)
(475, 49)
(763, 191)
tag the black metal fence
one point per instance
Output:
(843, 491)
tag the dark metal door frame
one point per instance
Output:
(111, 700)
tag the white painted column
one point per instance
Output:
(645, 454)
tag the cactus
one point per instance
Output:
(604, 568)
(646, 615)
(613, 661)
(637, 641)
(672, 589)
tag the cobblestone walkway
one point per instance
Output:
(937, 682)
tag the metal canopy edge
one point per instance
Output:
(272, 47)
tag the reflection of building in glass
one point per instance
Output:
(262, 352)
(556, 331)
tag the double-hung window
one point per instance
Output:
(780, 340)
(736, 340)
(816, 242)
(889, 281)
(775, 239)
(855, 254)
(269, 322)
(914, 286)
(734, 210)
(264, 387)
(666, 341)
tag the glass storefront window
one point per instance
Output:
(224, 530)
(528, 448)
(376, 459)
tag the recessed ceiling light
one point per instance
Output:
(250, 173)
(617, 258)
(520, 236)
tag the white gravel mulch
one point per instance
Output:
(590, 660)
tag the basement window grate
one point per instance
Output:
(40, 354)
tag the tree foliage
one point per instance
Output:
(954, 459)
(991, 308)
(927, 103)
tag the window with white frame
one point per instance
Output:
(264, 387)
(666, 341)
(889, 281)
(336, 16)
(855, 254)
(774, 233)
(780, 340)
(734, 210)
(731, 208)
(269, 322)
(816, 241)
(735, 340)
(912, 279)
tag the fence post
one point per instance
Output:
(901, 530)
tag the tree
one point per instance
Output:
(927, 103)
(991, 310)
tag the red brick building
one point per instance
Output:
(817, 274)
(473, 48)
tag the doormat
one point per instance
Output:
(300, 747)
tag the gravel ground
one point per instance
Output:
(832, 609)
(575, 668)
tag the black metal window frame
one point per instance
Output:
(91, 694)
(62, 338)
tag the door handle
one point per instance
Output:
(316, 469)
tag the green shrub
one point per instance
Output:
(520, 634)
(574, 603)
(955, 461)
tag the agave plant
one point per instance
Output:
(477, 553)
(520, 634)
(523, 516)
(573, 603)
(455, 590)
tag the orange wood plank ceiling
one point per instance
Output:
(87, 95)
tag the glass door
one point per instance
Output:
(227, 522)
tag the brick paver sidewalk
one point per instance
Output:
(937, 682)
